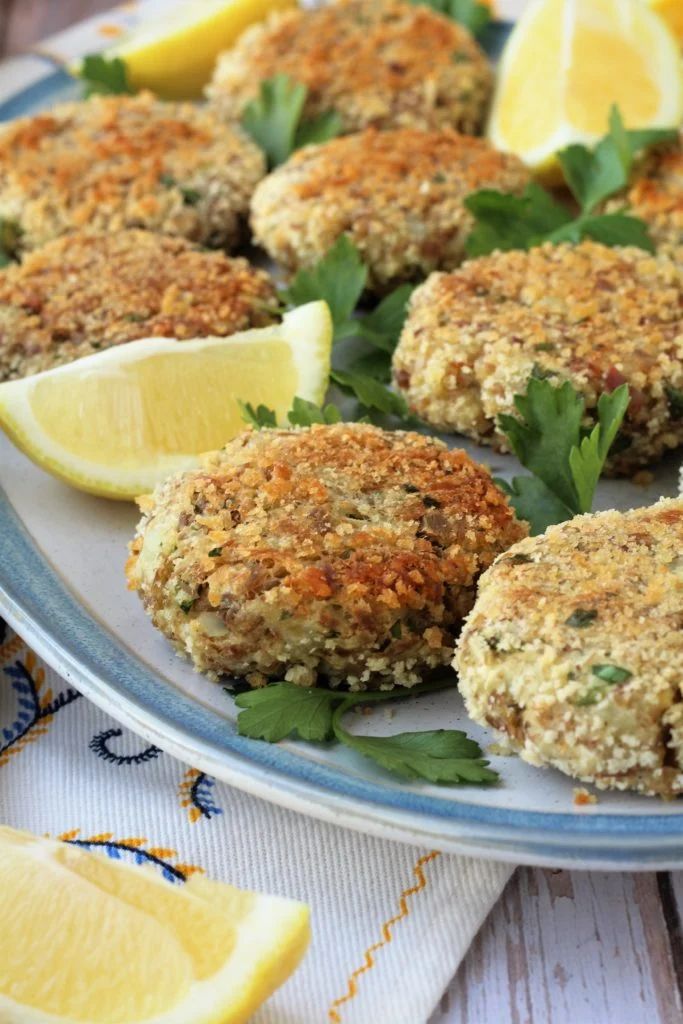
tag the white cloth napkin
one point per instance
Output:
(390, 922)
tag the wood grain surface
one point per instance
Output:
(560, 947)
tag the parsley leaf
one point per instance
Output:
(544, 436)
(507, 222)
(382, 327)
(504, 221)
(262, 416)
(322, 128)
(587, 459)
(439, 755)
(547, 439)
(535, 503)
(594, 175)
(10, 233)
(611, 673)
(674, 397)
(304, 413)
(338, 278)
(473, 15)
(283, 709)
(274, 119)
(104, 76)
(371, 393)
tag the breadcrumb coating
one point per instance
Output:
(344, 551)
(588, 314)
(115, 162)
(574, 649)
(82, 293)
(656, 195)
(399, 195)
(380, 63)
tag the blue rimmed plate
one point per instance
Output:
(62, 587)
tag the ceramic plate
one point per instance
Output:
(62, 587)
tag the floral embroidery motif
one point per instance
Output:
(99, 744)
(36, 706)
(195, 792)
(136, 851)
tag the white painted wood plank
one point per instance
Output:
(569, 948)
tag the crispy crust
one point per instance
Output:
(343, 550)
(656, 195)
(588, 314)
(526, 667)
(127, 161)
(398, 194)
(378, 63)
(82, 293)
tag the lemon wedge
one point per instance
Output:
(117, 422)
(672, 12)
(565, 64)
(174, 55)
(102, 941)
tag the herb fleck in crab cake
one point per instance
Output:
(399, 195)
(379, 63)
(344, 551)
(574, 649)
(595, 316)
(126, 161)
(82, 293)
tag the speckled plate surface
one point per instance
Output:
(62, 587)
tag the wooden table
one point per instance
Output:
(561, 947)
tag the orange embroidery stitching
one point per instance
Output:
(11, 647)
(195, 794)
(163, 857)
(387, 936)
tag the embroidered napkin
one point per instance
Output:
(390, 922)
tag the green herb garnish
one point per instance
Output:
(10, 233)
(338, 279)
(303, 413)
(104, 76)
(547, 439)
(258, 417)
(581, 618)
(371, 393)
(611, 673)
(440, 756)
(675, 399)
(474, 16)
(505, 222)
(274, 119)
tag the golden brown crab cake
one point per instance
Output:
(115, 162)
(380, 63)
(588, 314)
(574, 649)
(656, 196)
(344, 551)
(82, 293)
(399, 195)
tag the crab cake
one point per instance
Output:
(114, 162)
(588, 314)
(656, 195)
(574, 649)
(379, 63)
(83, 292)
(344, 551)
(397, 194)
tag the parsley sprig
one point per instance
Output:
(473, 15)
(339, 278)
(548, 439)
(302, 414)
(504, 221)
(275, 119)
(104, 76)
(316, 715)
